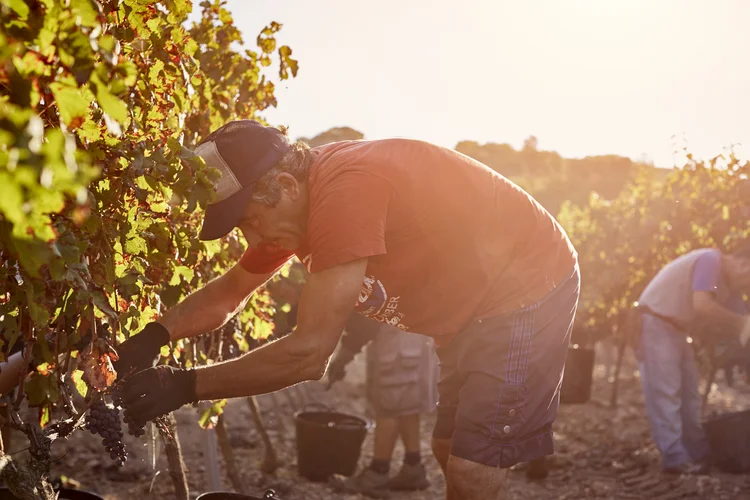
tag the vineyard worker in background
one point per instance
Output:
(408, 233)
(696, 293)
(401, 385)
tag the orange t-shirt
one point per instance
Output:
(448, 239)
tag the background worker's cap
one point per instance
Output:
(242, 151)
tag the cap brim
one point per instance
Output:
(222, 217)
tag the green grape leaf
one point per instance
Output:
(85, 12)
(100, 301)
(11, 198)
(18, 6)
(110, 104)
(210, 415)
(41, 389)
(71, 103)
(39, 314)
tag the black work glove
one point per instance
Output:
(155, 392)
(141, 351)
(337, 366)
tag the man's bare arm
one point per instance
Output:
(325, 305)
(213, 305)
(707, 308)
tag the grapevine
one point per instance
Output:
(623, 242)
(101, 103)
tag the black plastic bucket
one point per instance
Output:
(579, 376)
(225, 495)
(729, 437)
(328, 443)
(65, 494)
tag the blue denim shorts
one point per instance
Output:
(500, 380)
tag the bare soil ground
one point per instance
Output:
(601, 452)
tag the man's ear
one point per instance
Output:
(290, 184)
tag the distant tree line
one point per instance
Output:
(549, 177)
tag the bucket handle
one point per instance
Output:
(317, 404)
(346, 424)
(351, 424)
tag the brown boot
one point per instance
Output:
(368, 482)
(410, 477)
(537, 469)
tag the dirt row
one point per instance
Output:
(601, 452)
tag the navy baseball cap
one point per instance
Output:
(242, 151)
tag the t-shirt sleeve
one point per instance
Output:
(349, 218)
(707, 272)
(263, 260)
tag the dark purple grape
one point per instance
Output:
(105, 421)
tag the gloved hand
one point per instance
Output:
(141, 351)
(336, 372)
(337, 366)
(156, 391)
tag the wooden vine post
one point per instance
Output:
(270, 460)
(624, 331)
(168, 431)
(228, 454)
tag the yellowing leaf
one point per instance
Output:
(80, 385)
(96, 363)
(44, 417)
(285, 54)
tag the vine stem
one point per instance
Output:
(174, 457)
(222, 436)
(270, 460)
(4, 422)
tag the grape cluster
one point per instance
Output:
(105, 421)
(135, 428)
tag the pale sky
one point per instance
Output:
(584, 76)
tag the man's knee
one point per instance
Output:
(441, 448)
